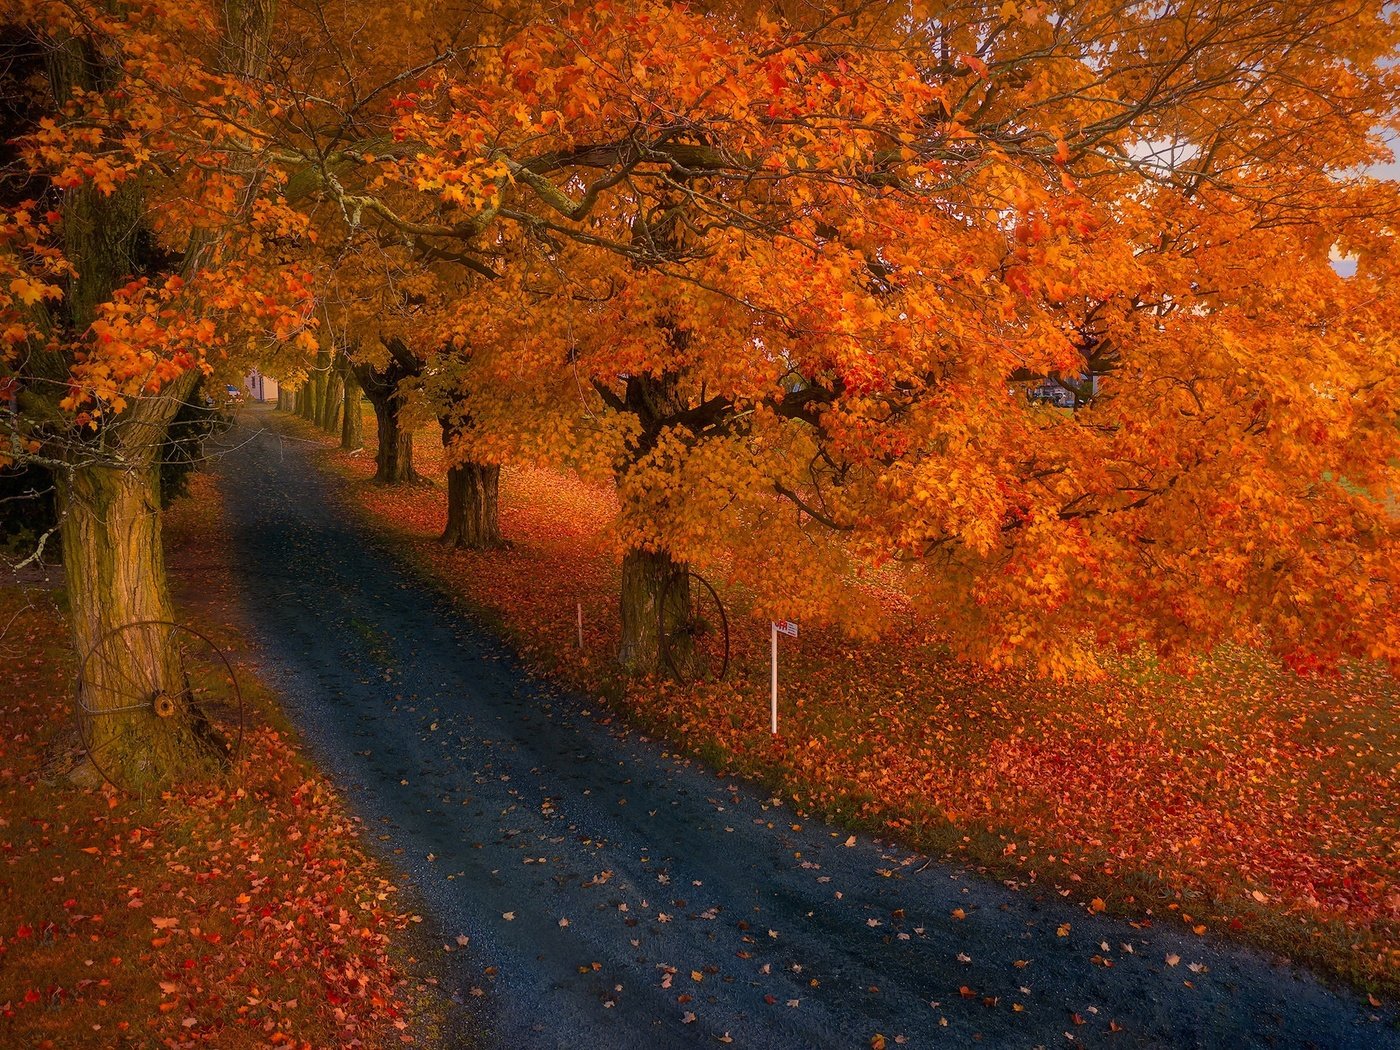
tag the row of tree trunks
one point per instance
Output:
(649, 578)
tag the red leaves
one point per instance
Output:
(1199, 782)
(246, 914)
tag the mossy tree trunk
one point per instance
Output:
(655, 598)
(109, 487)
(134, 722)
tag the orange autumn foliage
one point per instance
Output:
(141, 238)
(793, 290)
(790, 276)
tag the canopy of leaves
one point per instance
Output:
(793, 274)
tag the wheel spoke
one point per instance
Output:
(111, 691)
(120, 735)
(130, 668)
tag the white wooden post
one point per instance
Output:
(774, 629)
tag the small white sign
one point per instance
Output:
(787, 627)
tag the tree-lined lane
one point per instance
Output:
(614, 896)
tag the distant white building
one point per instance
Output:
(260, 387)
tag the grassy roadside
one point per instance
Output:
(1245, 801)
(240, 914)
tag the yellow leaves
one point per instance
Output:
(30, 291)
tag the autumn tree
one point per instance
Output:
(795, 273)
(138, 253)
(807, 271)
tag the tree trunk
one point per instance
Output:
(383, 388)
(473, 497)
(320, 382)
(115, 570)
(394, 461)
(473, 521)
(282, 396)
(647, 578)
(307, 403)
(352, 418)
(331, 402)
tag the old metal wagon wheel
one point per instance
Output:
(118, 686)
(695, 644)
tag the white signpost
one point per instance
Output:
(789, 628)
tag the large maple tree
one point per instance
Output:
(141, 250)
(804, 284)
